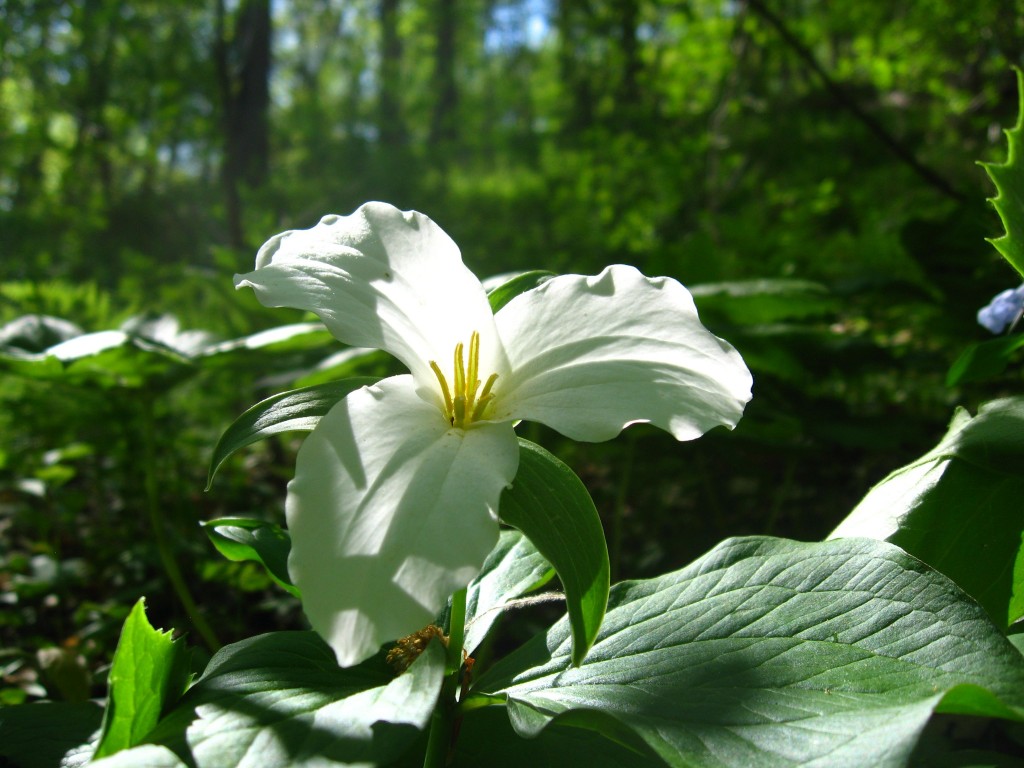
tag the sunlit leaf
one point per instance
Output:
(143, 756)
(149, 672)
(1009, 180)
(504, 293)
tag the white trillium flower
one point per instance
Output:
(394, 504)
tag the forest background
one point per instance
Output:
(807, 168)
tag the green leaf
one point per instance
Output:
(41, 735)
(297, 410)
(106, 359)
(283, 698)
(985, 360)
(770, 652)
(1009, 180)
(958, 507)
(296, 337)
(513, 568)
(149, 673)
(508, 290)
(240, 539)
(549, 504)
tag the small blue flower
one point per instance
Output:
(1002, 310)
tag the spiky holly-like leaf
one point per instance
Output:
(1009, 180)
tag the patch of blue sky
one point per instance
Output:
(518, 24)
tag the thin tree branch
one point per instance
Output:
(894, 145)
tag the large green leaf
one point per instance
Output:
(104, 359)
(513, 568)
(1009, 180)
(549, 504)
(296, 411)
(284, 339)
(958, 507)
(298, 349)
(240, 539)
(770, 652)
(281, 700)
(148, 674)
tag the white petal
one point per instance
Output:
(390, 512)
(591, 355)
(380, 278)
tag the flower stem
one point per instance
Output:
(167, 559)
(442, 725)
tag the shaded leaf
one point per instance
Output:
(984, 361)
(513, 568)
(297, 410)
(958, 507)
(766, 301)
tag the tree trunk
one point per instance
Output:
(444, 127)
(628, 97)
(390, 125)
(243, 69)
(575, 82)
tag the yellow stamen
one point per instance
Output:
(460, 372)
(487, 387)
(444, 387)
(472, 382)
(465, 402)
(485, 397)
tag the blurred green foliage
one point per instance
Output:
(808, 170)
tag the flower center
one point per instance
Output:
(466, 401)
